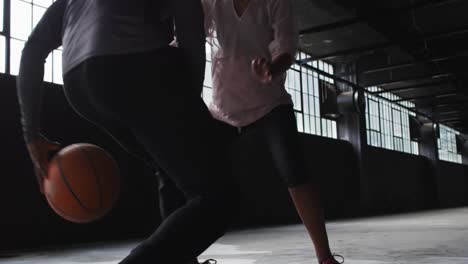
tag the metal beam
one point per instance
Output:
(351, 51)
(359, 50)
(461, 118)
(457, 112)
(446, 34)
(449, 104)
(426, 4)
(412, 87)
(422, 97)
(413, 63)
(354, 20)
(415, 79)
(331, 26)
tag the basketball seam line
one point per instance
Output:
(62, 174)
(98, 179)
(54, 206)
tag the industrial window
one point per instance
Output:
(447, 145)
(208, 84)
(387, 123)
(24, 16)
(2, 54)
(303, 86)
(2, 4)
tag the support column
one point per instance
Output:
(352, 128)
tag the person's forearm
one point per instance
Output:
(46, 36)
(29, 84)
(281, 64)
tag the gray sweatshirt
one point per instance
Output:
(89, 28)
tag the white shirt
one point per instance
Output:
(266, 29)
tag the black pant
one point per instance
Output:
(277, 130)
(147, 102)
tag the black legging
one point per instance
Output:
(278, 129)
(147, 102)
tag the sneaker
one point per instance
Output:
(332, 260)
(208, 261)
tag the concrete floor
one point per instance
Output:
(429, 238)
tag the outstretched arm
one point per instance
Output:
(46, 37)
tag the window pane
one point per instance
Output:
(57, 74)
(324, 127)
(37, 14)
(2, 3)
(207, 95)
(298, 102)
(208, 81)
(447, 145)
(48, 69)
(300, 123)
(2, 54)
(335, 130)
(306, 124)
(313, 125)
(21, 19)
(318, 127)
(16, 47)
(306, 104)
(43, 3)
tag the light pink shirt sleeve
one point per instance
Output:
(284, 28)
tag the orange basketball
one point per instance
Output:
(83, 183)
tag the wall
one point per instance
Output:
(399, 182)
(452, 184)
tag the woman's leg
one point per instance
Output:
(280, 131)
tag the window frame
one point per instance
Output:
(9, 38)
(388, 114)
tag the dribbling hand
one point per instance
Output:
(39, 150)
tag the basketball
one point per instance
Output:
(83, 183)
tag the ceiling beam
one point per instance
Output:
(387, 13)
(413, 87)
(386, 44)
(412, 63)
(331, 26)
(450, 104)
(422, 97)
(410, 79)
